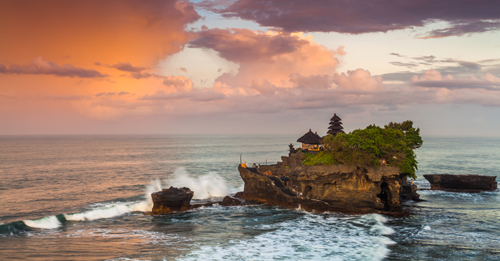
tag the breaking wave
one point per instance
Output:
(204, 187)
(210, 185)
(13, 228)
(110, 211)
(44, 223)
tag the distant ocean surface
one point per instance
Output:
(82, 198)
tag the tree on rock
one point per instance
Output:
(392, 145)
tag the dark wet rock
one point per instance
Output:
(340, 188)
(229, 201)
(462, 183)
(171, 200)
(178, 199)
(409, 192)
(239, 194)
(208, 204)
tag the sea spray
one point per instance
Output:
(234, 190)
(206, 186)
(153, 186)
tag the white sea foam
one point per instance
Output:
(377, 217)
(379, 226)
(45, 223)
(311, 237)
(427, 228)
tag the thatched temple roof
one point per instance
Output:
(310, 138)
(335, 125)
(335, 118)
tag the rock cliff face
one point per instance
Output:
(340, 188)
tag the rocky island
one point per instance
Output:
(364, 171)
(361, 172)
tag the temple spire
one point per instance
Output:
(335, 125)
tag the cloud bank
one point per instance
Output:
(364, 16)
(40, 66)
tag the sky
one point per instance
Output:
(248, 66)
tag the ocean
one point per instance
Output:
(83, 198)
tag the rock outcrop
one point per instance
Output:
(229, 201)
(339, 188)
(171, 200)
(178, 199)
(462, 183)
(409, 192)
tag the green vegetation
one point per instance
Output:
(370, 146)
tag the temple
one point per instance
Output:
(329, 187)
(335, 125)
(310, 141)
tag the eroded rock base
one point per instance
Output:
(342, 188)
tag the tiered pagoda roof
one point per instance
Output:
(335, 125)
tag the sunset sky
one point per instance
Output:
(248, 66)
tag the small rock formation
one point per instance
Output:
(341, 188)
(178, 199)
(462, 183)
(409, 192)
(171, 200)
(229, 201)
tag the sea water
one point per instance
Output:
(83, 198)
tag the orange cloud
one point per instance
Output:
(358, 79)
(88, 31)
(267, 59)
(105, 44)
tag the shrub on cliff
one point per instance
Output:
(370, 146)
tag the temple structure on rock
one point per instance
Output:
(310, 141)
(335, 125)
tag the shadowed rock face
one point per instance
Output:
(172, 199)
(340, 188)
(462, 183)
